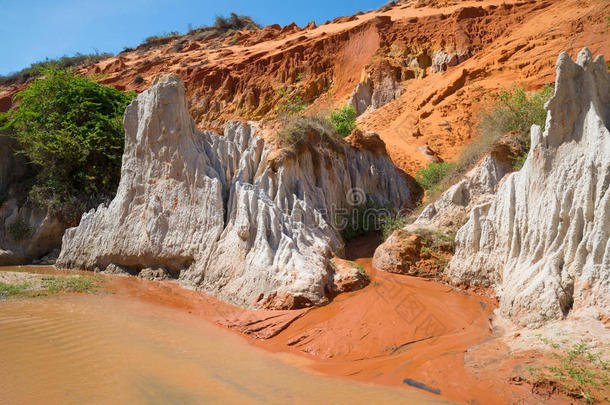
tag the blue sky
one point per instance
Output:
(32, 30)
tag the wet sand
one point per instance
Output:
(398, 331)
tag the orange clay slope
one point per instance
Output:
(431, 63)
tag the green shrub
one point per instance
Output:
(19, 230)
(361, 271)
(289, 104)
(512, 110)
(519, 161)
(391, 224)
(71, 128)
(167, 35)
(577, 372)
(515, 110)
(430, 176)
(437, 240)
(344, 120)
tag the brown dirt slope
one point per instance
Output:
(434, 63)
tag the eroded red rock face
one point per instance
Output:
(431, 66)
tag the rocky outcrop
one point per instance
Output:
(26, 233)
(378, 87)
(399, 253)
(441, 60)
(544, 240)
(223, 215)
(348, 276)
(416, 251)
(477, 187)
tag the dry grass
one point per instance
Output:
(513, 111)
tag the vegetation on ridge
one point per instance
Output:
(71, 129)
(65, 62)
(235, 22)
(513, 110)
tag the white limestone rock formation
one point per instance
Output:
(441, 60)
(221, 212)
(544, 240)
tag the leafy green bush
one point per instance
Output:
(437, 240)
(19, 230)
(512, 110)
(361, 271)
(515, 110)
(519, 161)
(71, 128)
(344, 120)
(430, 176)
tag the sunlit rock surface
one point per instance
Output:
(221, 214)
(543, 241)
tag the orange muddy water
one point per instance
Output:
(75, 349)
(138, 341)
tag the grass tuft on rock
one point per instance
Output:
(72, 284)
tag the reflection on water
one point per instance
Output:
(104, 349)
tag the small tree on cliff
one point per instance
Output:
(344, 120)
(71, 128)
